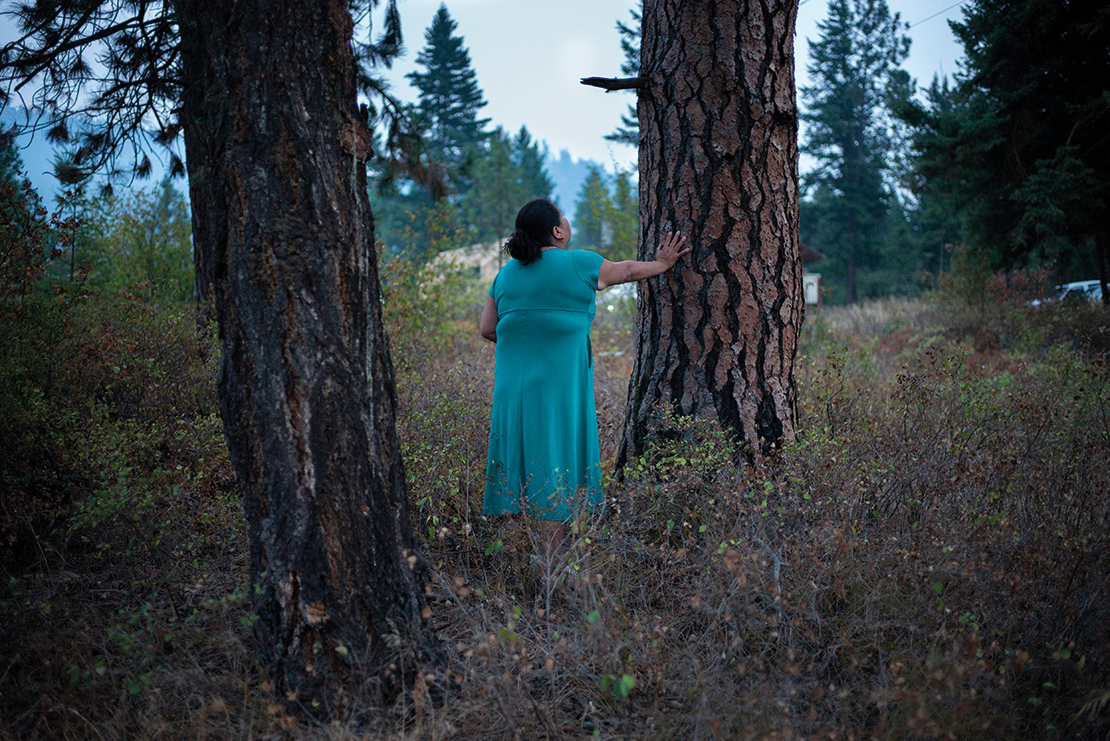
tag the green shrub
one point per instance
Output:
(928, 559)
(103, 396)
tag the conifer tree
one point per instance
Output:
(717, 336)
(497, 190)
(529, 157)
(449, 94)
(860, 46)
(505, 172)
(623, 218)
(590, 211)
(11, 164)
(265, 93)
(11, 169)
(629, 130)
(25, 233)
(1018, 146)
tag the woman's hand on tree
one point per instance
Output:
(671, 249)
(666, 255)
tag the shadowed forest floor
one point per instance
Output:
(927, 560)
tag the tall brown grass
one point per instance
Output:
(927, 560)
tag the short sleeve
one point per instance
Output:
(587, 264)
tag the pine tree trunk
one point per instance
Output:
(285, 243)
(850, 273)
(719, 162)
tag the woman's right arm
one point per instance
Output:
(626, 271)
(487, 325)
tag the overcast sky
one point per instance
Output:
(529, 57)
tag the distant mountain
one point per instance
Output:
(568, 173)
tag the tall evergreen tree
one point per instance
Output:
(449, 94)
(11, 167)
(717, 336)
(505, 172)
(529, 157)
(25, 233)
(629, 130)
(497, 189)
(623, 218)
(1018, 146)
(401, 205)
(932, 225)
(591, 210)
(848, 133)
(265, 92)
(11, 164)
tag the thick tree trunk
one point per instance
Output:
(719, 162)
(285, 242)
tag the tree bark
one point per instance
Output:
(285, 243)
(719, 162)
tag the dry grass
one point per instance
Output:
(928, 560)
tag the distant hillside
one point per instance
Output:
(568, 173)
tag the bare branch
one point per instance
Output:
(609, 84)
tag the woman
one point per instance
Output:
(543, 449)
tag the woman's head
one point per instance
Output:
(536, 223)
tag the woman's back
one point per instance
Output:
(543, 435)
(560, 279)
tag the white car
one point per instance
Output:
(1088, 289)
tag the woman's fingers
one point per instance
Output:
(671, 248)
(678, 247)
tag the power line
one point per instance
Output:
(939, 12)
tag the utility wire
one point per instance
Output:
(939, 12)
(934, 15)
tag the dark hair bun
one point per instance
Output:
(534, 223)
(523, 247)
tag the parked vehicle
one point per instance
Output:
(1083, 289)
(1089, 289)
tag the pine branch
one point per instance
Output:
(47, 55)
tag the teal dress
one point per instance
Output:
(543, 448)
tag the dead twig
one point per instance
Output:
(609, 84)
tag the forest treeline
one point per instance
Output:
(1006, 162)
(1003, 165)
(461, 181)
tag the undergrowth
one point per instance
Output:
(927, 560)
